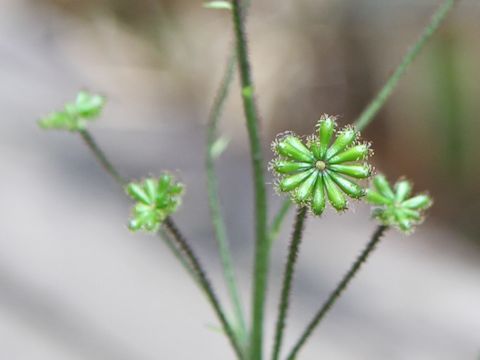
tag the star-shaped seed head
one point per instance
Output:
(326, 166)
(155, 200)
(395, 207)
(75, 115)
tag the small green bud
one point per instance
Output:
(75, 115)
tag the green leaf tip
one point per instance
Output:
(218, 5)
(74, 116)
(394, 206)
(327, 166)
(156, 198)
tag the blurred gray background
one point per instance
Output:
(75, 284)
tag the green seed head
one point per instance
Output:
(156, 198)
(394, 207)
(324, 167)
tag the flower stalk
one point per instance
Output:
(214, 200)
(287, 280)
(334, 296)
(260, 270)
(205, 282)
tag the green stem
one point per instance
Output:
(101, 157)
(214, 200)
(178, 254)
(202, 277)
(277, 221)
(377, 103)
(260, 271)
(287, 280)
(376, 237)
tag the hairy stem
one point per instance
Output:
(101, 157)
(260, 270)
(202, 277)
(376, 237)
(377, 103)
(178, 254)
(214, 200)
(287, 280)
(277, 221)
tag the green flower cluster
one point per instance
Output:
(395, 207)
(156, 199)
(75, 114)
(326, 167)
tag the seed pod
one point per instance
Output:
(293, 148)
(151, 187)
(164, 183)
(402, 190)
(355, 153)
(411, 214)
(334, 194)
(136, 192)
(316, 149)
(291, 182)
(288, 167)
(304, 191)
(343, 140)
(376, 198)
(418, 202)
(318, 201)
(350, 188)
(383, 186)
(356, 171)
(403, 221)
(326, 128)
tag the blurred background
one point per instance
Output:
(75, 284)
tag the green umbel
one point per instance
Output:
(395, 207)
(156, 199)
(326, 167)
